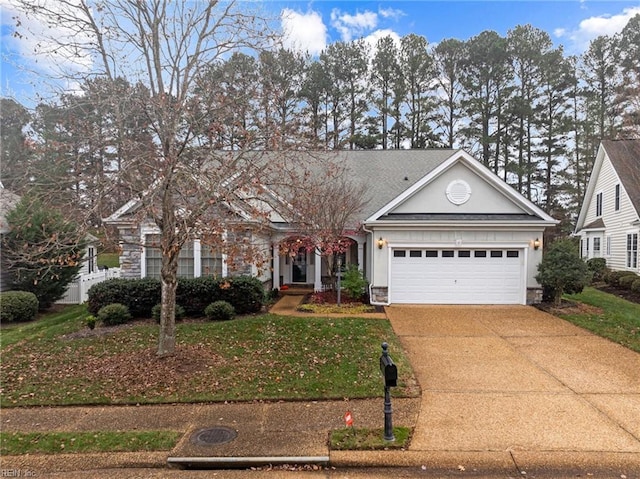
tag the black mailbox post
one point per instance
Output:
(390, 374)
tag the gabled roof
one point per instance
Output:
(436, 162)
(390, 176)
(624, 156)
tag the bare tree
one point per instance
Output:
(184, 187)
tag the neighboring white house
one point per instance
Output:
(609, 220)
(439, 227)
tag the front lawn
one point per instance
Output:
(58, 361)
(611, 317)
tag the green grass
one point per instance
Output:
(18, 443)
(264, 357)
(110, 260)
(617, 319)
(366, 439)
(47, 327)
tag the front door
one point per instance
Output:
(300, 267)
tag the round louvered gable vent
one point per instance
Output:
(458, 192)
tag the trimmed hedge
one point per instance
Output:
(114, 314)
(245, 293)
(626, 281)
(18, 306)
(614, 277)
(635, 286)
(219, 311)
(139, 295)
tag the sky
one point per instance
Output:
(312, 25)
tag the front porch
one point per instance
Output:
(308, 270)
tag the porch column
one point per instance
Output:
(360, 254)
(276, 266)
(317, 283)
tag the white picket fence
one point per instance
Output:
(78, 289)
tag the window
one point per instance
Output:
(617, 205)
(599, 204)
(210, 263)
(480, 254)
(632, 250)
(153, 258)
(447, 254)
(431, 254)
(399, 253)
(464, 254)
(91, 258)
(596, 246)
(608, 245)
(496, 254)
(415, 254)
(513, 254)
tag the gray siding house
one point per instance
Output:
(438, 228)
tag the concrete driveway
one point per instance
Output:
(521, 383)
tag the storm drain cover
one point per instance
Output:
(213, 436)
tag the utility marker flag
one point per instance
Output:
(348, 419)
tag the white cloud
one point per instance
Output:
(392, 13)
(590, 28)
(303, 31)
(352, 26)
(373, 37)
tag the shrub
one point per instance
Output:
(114, 314)
(562, 270)
(244, 293)
(635, 286)
(219, 311)
(157, 309)
(139, 295)
(598, 268)
(195, 294)
(91, 321)
(614, 277)
(626, 281)
(354, 282)
(18, 306)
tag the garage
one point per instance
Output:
(457, 276)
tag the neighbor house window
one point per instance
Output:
(596, 246)
(599, 204)
(91, 253)
(632, 250)
(617, 205)
(608, 245)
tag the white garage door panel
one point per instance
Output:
(458, 280)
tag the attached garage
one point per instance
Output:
(494, 275)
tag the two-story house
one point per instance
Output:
(609, 220)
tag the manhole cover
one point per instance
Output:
(213, 436)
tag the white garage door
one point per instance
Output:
(457, 276)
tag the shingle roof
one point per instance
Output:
(388, 173)
(625, 157)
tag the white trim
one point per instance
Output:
(478, 168)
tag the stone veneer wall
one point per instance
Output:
(131, 252)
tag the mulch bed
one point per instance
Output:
(627, 294)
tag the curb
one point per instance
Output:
(244, 462)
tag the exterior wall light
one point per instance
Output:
(536, 243)
(380, 243)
